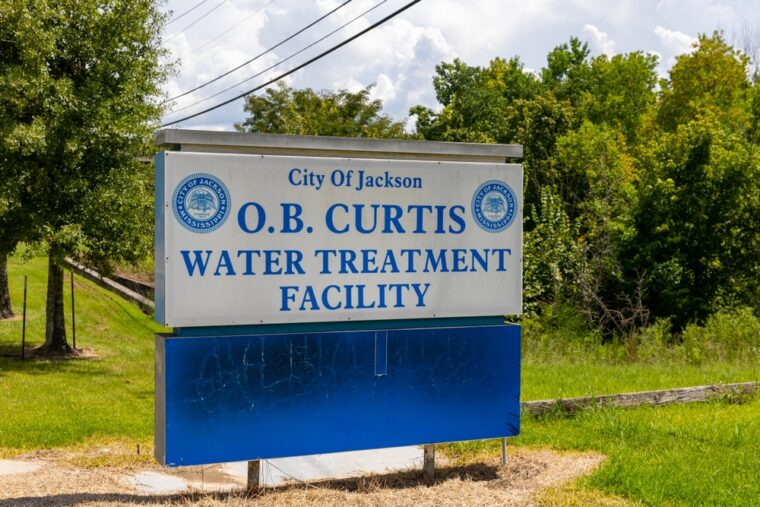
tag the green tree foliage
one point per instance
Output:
(712, 80)
(698, 221)
(595, 177)
(284, 110)
(552, 257)
(568, 72)
(78, 89)
(480, 104)
(621, 90)
(638, 200)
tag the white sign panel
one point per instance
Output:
(251, 239)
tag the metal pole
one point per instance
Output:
(73, 315)
(23, 325)
(428, 464)
(253, 475)
(504, 451)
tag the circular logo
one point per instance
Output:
(494, 206)
(201, 203)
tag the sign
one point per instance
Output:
(265, 239)
(236, 398)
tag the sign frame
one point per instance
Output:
(431, 331)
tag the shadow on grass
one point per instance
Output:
(365, 484)
(10, 360)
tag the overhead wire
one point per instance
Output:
(227, 73)
(300, 66)
(191, 9)
(277, 64)
(232, 27)
(197, 20)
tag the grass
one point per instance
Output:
(565, 379)
(696, 454)
(700, 454)
(55, 402)
(46, 403)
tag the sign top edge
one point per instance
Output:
(243, 142)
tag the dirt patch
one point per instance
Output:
(72, 353)
(529, 472)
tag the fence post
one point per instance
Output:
(73, 315)
(23, 325)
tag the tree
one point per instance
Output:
(8, 241)
(285, 110)
(568, 72)
(595, 177)
(80, 83)
(711, 80)
(480, 104)
(698, 221)
(621, 91)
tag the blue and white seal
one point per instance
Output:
(494, 206)
(201, 203)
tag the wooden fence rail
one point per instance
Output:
(660, 397)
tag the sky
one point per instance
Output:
(398, 58)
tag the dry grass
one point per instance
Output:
(95, 477)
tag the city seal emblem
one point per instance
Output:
(494, 206)
(201, 203)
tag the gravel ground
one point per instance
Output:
(60, 481)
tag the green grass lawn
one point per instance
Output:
(59, 402)
(697, 454)
(558, 379)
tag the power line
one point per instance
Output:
(277, 64)
(301, 66)
(257, 56)
(191, 9)
(232, 27)
(197, 20)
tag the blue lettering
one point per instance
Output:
(393, 215)
(460, 264)
(326, 298)
(359, 215)
(329, 218)
(226, 263)
(249, 260)
(458, 219)
(294, 176)
(198, 261)
(291, 221)
(420, 293)
(325, 254)
(310, 298)
(261, 214)
(288, 295)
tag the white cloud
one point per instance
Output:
(400, 56)
(600, 39)
(384, 89)
(677, 42)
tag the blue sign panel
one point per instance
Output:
(236, 398)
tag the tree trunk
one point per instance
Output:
(55, 329)
(6, 311)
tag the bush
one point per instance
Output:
(560, 332)
(727, 335)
